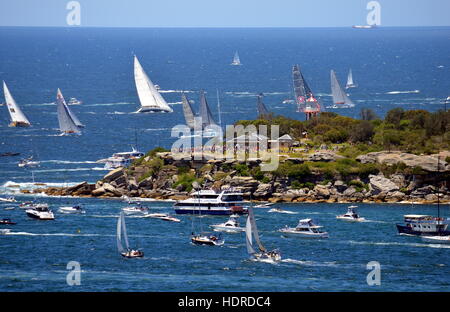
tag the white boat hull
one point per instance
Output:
(349, 219)
(304, 234)
(437, 239)
(228, 229)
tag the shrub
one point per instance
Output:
(241, 170)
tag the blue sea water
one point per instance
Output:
(95, 66)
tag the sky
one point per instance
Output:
(222, 13)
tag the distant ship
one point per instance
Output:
(236, 60)
(364, 26)
(68, 122)
(350, 82)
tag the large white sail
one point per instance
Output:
(151, 100)
(17, 116)
(72, 115)
(254, 231)
(236, 60)
(66, 123)
(249, 237)
(122, 230)
(339, 96)
(350, 83)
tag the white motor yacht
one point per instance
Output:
(205, 239)
(122, 159)
(279, 210)
(305, 228)
(40, 213)
(437, 239)
(71, 209)
(351, 215)
(8, 199)
(230, 226)
(162, 216)
(135, 210)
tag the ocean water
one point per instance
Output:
(394, 67)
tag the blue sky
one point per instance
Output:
(224, 13)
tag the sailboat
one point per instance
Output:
(263, 112)
(236, 60)
(204, 238)
(18, 118)
(340, 98)
(306, 102)
(122, 238)
(68, 122)
(350, 83)
(262, 254)
(151, 100)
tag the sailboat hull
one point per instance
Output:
(19, 124)
(152, 110)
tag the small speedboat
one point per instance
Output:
(204, 239)
(272, 256)
(351, 215)
(305, 228)
(131, 253)
(32, 205)
(444, 239)
(279, 210)
(71, 209)
(231, 226)
(264, 205)
(28, 162)
(74, 101)
(40, 213)
(135, 210)
(8, 199)
(4, 231)
(162, 216)
(7, 221)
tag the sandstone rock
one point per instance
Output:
(324, 156)
(112, 175)
(381, 184)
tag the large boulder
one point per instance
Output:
(324, 156)
(113, 175)
(379, 184)
(263, 190)
(427, 163)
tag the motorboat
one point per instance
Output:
(438, 239)
(135, 210)
(279, 210)
(4, 231)
(33, 205)
(230, 226)
(8, 199)
(71, 209)
(210, 202)
(305, 228)
(264, 205)
(351, 215)
(205, 239)
(122, 159)
(40, 213)
(162, 216)
(74, 101)
(7, 221)
(122, 238)
(423, 225)
(28, 162)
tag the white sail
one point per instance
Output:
(350, 83)
(249, 237)
(236, 60)
(66, 123)
(150, 98)
(339, 96)
(254, 229)
(122, 230)
(17, 116)
(72, 115)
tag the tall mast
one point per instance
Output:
(218, 108)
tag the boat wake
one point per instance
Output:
(55, 234)
(403, 92)
(55, 161)
(423, 245)
(311, 263)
